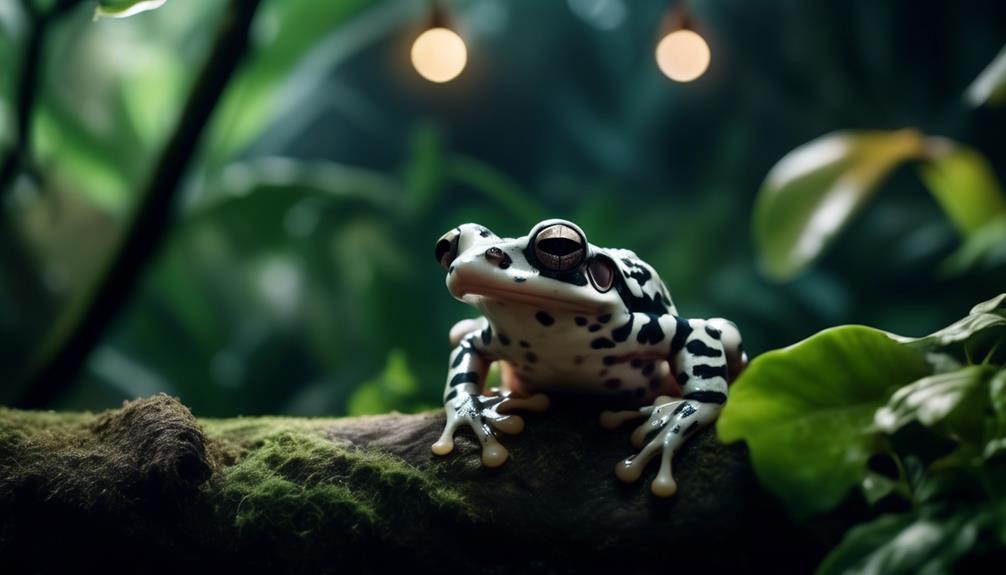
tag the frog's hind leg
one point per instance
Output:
(730, 338)
(668, 427)
(700, 365)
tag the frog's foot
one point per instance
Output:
(668, 425)
(485, 414)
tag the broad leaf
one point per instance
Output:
(964, 184)
(990, 86)
(806, 412)
(949, 402)
(125, 8)
(813, 192)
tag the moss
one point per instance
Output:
(300, 482)
(147, 446)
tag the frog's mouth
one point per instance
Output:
(471, 292)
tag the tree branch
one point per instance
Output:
(151, 488)
(80, 331)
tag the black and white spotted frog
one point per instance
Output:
(563, 315)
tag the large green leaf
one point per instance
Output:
(806, 411)
(125, 8)
(990, 86)
(810, 195)
(964, 184)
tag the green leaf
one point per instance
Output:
(816, 189)
(911, 543)
(964, 184)
(990, 86)
(806, 411)
(947, 402)
(125, 8)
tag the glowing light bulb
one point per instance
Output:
(439, 55)
(683, 55)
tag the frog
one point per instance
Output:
(561, 315)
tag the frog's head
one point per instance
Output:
(553, 268)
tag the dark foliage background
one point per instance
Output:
(298, 277)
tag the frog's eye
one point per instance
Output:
(447, 248)
(559, 247)
(602, 273)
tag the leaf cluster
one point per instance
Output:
(915, 427)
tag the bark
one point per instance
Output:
(150, 488)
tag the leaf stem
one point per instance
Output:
(83, 326)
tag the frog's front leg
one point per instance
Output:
(700, 362)
(464, 402)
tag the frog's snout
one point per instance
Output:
(498, 258)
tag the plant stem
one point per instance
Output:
(27, 86)
(82, 328)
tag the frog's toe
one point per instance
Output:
(630, 468)
(659, 416)
(664, 484)
(537, 403)
(445, 444)
(612, 420)
(509, 424)
(494, 454)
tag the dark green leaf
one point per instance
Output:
(813, 192)
(910, 543)
(805, 412)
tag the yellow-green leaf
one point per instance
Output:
(964, 184)
(813, 192)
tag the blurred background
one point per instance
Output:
(298, 276)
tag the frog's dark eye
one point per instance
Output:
(602, 273)
(447, 248)
(559, 247)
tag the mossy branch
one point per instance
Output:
(149, 485)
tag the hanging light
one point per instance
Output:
(682, 54)
(439, 54)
